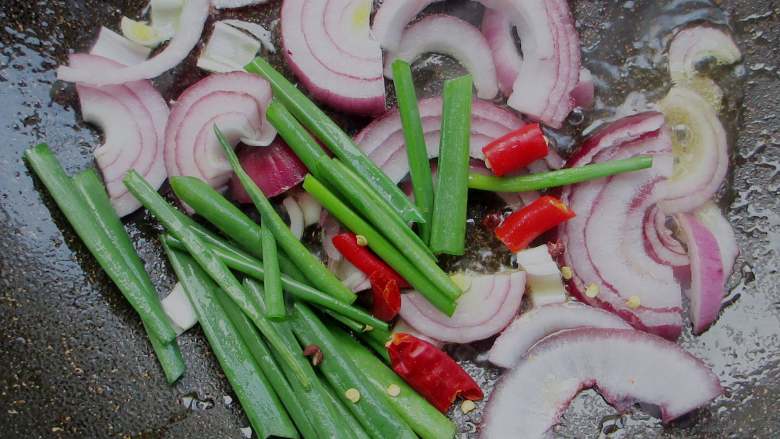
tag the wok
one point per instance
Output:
(74, 361)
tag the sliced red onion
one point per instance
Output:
(382, 140)
(234, 101)
(700, 150)
(191, 23)
(230, 4)
(450, 36)
(660, 242)
(228, 49)
(484, 309)
(585, 92)
(117, 48)
(274, 168)
(605, 243)
(179, 310)
(311, 209)
(551, 58)
(693, 46)
(711, 217)
(262, 34)
(328, 46)
(625, 365)
(391, 19)
(132, 118)
(349, 275)
(402, 326)
(513, 343)
(498, 32)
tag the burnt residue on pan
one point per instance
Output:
(75, 362)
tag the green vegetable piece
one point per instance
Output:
(325, 418)
(337, 141)
(108, 256)
(245, 264)
(272, 278)
(312, 267)
(222, 275)
(409, 271)
(260, 403)
(344, 413)
(425, 419)
(372, 410)
(561, 177)
(93, 193)
(416, 149)
(295, 135)
(270, 368)
(448, 233)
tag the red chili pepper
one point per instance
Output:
(516, 150)
(430, 371)
(364, 259)
(386, 296)
(522, 227)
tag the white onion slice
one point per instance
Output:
(237, 102)
(192, 19)
(179, 310)
(700, 150)
(262, 34)
(148, 112)
(296, 216)
(117, 48)
(624, 365)
(453, 37)
(484, 309)
(498, 31)
(230, 4)
(310, 208)
(328, 46)
(545, 285)
(513, 343)
(392, 17)
(602, 259)
(228, 50)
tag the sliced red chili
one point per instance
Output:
(364, 259)
(430, 371)
(516, 150)
(386, 296)
(522, 227)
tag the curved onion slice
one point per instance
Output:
(262, 34)
(712, 248)
(236, 102)
(191, 22)
(392, 17)
(108, 107)
(228, 49)
(585, 91)
(117, 48)
(179, 309)
(695, 45)
(624, 365)
(605, 244)
(402, 326)
(311, 209)
(660, 242)
(329, 48)
(382, 140)
(274, 168)
(511, 346)
(435, 34)
(551, 58)
(700, 150)
(498, 32)
(483, 310)
(296, 216)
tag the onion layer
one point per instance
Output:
(117, 48)
(392, 17)
(484, 309)
(511, 346)
(660, 242)
(223, 99)
(132, 118)
(453, 37)
(700, 150)
(625, 365)
(191, 23)
(498, 31)
(274, 168)
(605, 243)
(329, 48)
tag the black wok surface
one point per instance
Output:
(74, 361)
